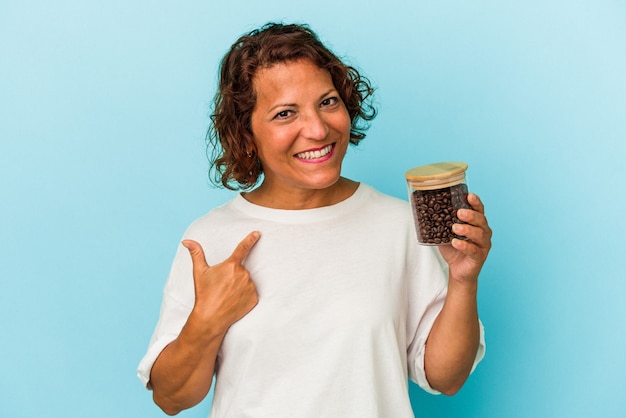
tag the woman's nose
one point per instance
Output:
(314, 126)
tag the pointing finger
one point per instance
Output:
(243, 248)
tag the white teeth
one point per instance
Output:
(311, 155)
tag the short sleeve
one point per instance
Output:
(178, 298)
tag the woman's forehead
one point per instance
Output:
(282, 77)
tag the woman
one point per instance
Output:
(308, 295)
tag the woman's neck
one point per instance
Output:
(295, 199)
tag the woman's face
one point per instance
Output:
(300, 125)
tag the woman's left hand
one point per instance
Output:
(466, 257)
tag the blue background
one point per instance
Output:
(103, 111)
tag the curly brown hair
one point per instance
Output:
(234, 163)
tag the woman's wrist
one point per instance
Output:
(203, 329)
(463, 287)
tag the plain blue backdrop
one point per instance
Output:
(103, 112)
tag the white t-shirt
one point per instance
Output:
(347, 299)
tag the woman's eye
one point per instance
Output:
(282, 115)
(329, 101)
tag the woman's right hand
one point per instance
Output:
(225, 293)
(182, 374)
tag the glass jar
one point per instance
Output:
(436, 192)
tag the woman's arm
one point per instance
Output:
(454, 338)
(453, 342)
(182, 374)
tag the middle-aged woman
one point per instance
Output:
(308, 295)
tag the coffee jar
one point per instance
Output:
(436, 192)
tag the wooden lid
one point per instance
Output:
(437, 175)
(435, 171)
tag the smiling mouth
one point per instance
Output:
(316, 154)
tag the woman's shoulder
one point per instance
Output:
(216, 217)
(383, 199)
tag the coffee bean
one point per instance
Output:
(435, 212)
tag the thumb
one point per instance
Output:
(196, 252)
